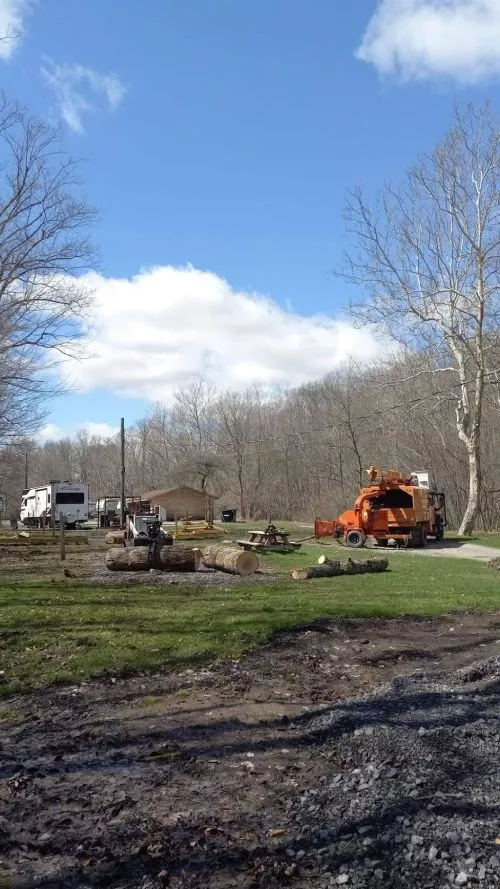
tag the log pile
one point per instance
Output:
(230, 559)
(166, 558)
(226, 558)
(329, 568)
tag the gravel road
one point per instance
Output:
(331, 756)
(450, 548)
(460, 550)
(413, 797)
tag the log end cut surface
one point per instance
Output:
(230, 559)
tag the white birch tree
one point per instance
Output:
(426, 260)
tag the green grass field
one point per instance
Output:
(482, 538)
(68, 631)
(487, 538)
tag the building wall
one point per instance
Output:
(181, 503)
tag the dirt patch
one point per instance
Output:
(88, 565)
(202, 578)
(195, 779)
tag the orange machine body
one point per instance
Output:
(392, 508)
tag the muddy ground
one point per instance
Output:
(194, 781)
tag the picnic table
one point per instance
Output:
(270, 540)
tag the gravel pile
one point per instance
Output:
(413, 796)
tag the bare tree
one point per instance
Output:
(44, 247)
(293, 456)
(202, 468)
(233, 418)
(428, 258)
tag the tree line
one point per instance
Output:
(295, 455)
(423, 260)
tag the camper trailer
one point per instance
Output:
(42, 505)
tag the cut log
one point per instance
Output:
(230, 559)
(166, 558)
(114, 537)
(329, 568)
(367, 566)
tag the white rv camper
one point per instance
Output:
(39, 505)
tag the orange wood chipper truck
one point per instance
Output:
(394, 509)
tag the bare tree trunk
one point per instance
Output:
(467, 524)
(241, 489)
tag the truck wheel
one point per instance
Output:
(355, 539)
(423, 537)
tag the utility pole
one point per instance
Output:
(62, 542)
(53, 498)
(122, 448)
(25, 470)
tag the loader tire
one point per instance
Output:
(355, 539)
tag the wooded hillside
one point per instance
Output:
(295, 455)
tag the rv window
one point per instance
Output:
(48, 498)
(63, 497)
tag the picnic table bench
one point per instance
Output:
(270, 540)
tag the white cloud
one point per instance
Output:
(434, 38)
(169, 325)
(76, 89)
(12, 13)
(52, 432)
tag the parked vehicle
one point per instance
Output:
(42, 506)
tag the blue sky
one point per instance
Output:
(219, 138)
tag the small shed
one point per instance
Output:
(180, 502)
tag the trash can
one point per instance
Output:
(229, 515)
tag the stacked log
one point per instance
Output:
(114, 537)
(231, 559)
(166, 558)
(330, 568)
